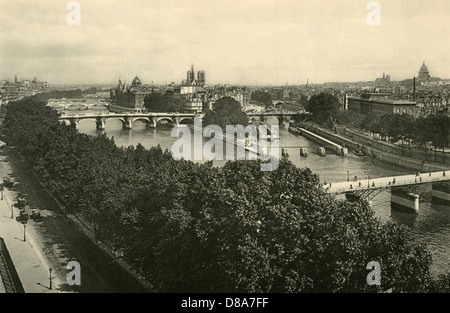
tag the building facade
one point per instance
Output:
(131, 98)
(192, 81)
(381, 104)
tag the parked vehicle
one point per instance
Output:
(35, 215)
(358, 152)
(23, 217)
(21, 202)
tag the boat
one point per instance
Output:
(358, 152)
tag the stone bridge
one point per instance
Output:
(152, 119)
(409, 201)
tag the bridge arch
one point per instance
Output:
(160, 119)
(181, 119)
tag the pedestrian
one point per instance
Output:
(393, 181)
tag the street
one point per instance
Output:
(60, 239)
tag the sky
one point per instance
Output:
(264, 42)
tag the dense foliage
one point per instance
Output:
(60, 94)
(226, 111)
(158, 102)
(195, 227)
(263, 98)
(324, 107)
(424, 131)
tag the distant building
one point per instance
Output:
(423, 74)
(130, 98)
(243, 97)
(383, 81)
(192, 81)
(381, 104)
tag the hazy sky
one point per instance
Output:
(234, 41)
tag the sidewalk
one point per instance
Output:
(30, 264)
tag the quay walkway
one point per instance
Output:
(386, 182)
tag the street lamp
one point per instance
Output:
(348, 176)
(24, 232)
(50, 278)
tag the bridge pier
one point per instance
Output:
(303, 152)
(127, 124)
(100, 124)
(74, 123)
(440, 193)
(402, 200)
(151, 123)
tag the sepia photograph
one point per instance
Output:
(224, 154)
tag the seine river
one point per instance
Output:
(431, 225)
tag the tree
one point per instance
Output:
(157, 102)
(349, 118)
(440, 132)
(324, 107)
(199, 228)
(403, 125)
(226, 111)
(237, 229)
(263, 98)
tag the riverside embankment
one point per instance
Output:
(377, 149)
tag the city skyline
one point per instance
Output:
(251, 43)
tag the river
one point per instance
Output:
(431, 226)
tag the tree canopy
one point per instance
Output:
(226, 111)
(324, 107)
(262, 97)
(158, 102)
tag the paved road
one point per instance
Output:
(62, 241)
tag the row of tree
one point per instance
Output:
(422, 131)
(196, 227)
(425, 131)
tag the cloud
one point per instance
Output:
(234, 41)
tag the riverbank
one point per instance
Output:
(372, 149)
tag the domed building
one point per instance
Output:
(129, 99)
(423, 74)
(136, 82)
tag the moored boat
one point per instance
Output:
(358, 152)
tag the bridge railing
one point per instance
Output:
(384, 182)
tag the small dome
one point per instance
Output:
(136, 82)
